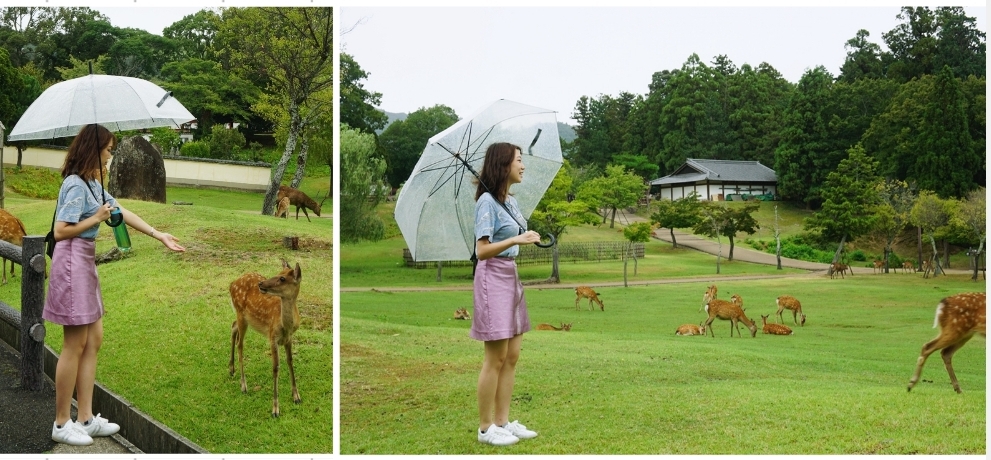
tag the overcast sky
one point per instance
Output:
(465, 58)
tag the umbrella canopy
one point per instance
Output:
(436, 207)
(118, 103)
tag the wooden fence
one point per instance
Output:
(597, 251)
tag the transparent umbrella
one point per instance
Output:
(436, 206)
(118, 103)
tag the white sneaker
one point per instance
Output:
(70, 433)
(519, 430)
(99, 426)
(497, 436)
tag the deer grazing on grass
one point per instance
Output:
(299, 199)
(878, 266)
(790, 303)
(462, 313)
(732, 311)
(710, 294)
(690, 329)
(958, 317)
(590, 294)
(282, 208)
(775, 329)
(837, 267)
(908, 265)
(547, 327)
(269, 307)
(11, 231)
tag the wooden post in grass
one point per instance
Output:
(291, 242)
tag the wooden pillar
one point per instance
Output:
(33, 265)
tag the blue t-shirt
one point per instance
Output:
(492, 220)
(76, 202)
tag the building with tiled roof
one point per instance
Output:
(716, 180)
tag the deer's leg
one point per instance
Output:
(927, 349)
(708, 328)
(292, 373)
(4, 270)
(947, 354)
(230, 365)
(241, 329)
(306, 214)
(275, 378)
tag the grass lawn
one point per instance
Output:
(621, 382)
(168, 318)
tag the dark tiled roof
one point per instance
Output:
(696, 170)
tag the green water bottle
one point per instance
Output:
(120, 231)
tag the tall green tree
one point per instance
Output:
(720, 220)
(850, 195)
(293, 49)
(13, 84)
(403, 141)
(358, 103)
(805, 139)
(602, 125)
(863, 59)
(618, 189)
(210, 93)
(360, 171)
(932, 214)
(194, 35)
(946, 161)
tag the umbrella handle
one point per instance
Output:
(547, 245)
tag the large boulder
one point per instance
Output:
(137, 171)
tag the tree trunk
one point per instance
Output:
(625, 259)
(730, 249)
(612, 221)
(300, 162)
(777, 237)
(673, 241)
(20, 154)
(946, 254)
(280, 169)
(977, 259)
(918, 236)
(836, 256)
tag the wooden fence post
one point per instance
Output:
(33, 264)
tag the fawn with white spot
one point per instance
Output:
(590, 294)
(462, 313)
(775, 329)
(690, 329)
(547, 327)
(958, 317)
(269, 307)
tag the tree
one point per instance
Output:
(931, 214)
(12, 84)
(360, 170)
(720, 220)
(619, 188)
(850, 194)
(403, 141)
(194, 35)
(798, 160)
(555, 213)
(895, 199)
(684, 212)
(210, 93)
(601, 128)
(357, 103)
(638, 232)
(293, 49)
(972, 213)
(863, 59)
(946, 161)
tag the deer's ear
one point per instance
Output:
(284, 263)
(298, 272)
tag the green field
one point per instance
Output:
(622, 382)
(168, 319)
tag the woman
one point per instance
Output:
(500, 308)
(74, 298)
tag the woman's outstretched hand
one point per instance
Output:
(169, 241)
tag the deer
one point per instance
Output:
(282, 208)
(300, 200)
(775, 329)
(790, 303)
(590, 294)
(878, 266)
(927, 266)
(12, 231)
(732, 311)
(690, 329)
(958, 318)
(462, 313)
(710, 294)
(838, 267)
(547, 327)
(908, 265)
(269, 307)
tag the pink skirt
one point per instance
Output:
(73, 297)
(500, 307)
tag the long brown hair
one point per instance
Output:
(84, 152)
(495, 170)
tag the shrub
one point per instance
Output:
(225, 144)
(167, 140)
(858, 256)
(195, 149)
